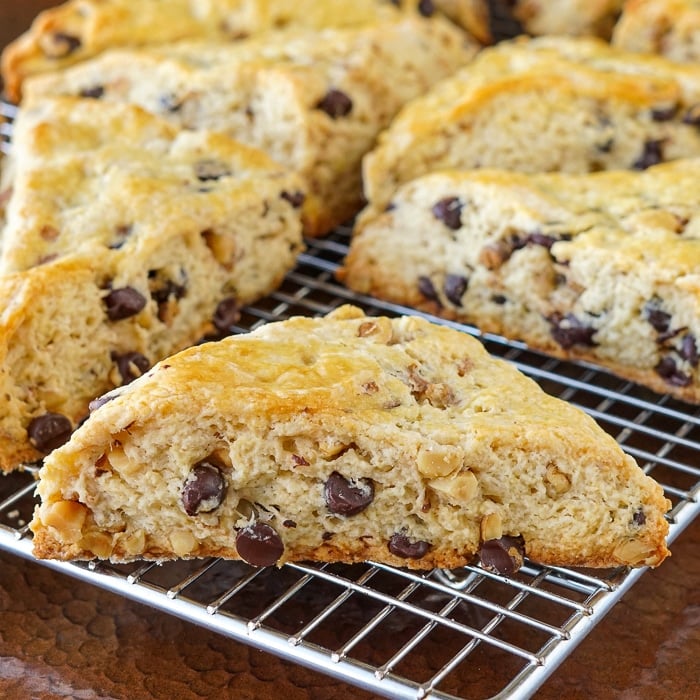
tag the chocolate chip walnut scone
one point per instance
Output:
(131, 239)
(79, 29)
(601, 267)
(667, 27)
(346, 438)
(314, 101)
(546, 104)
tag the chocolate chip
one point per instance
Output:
(402, 546)
(689, 350)
(204, 488)
(170, 103)
(454, 288)
(664, 114)
(652, 154)
(660, 320)
(499, 299)
(94, 92)
(639, 518)
(296, 199)
(130, 365)
(449, 211)
(345, 497)
(503, 556)
(211, 170)
(299, 461)
(669, 372)
(426, 8)
(289, 523)
(327, 536)
(567, 330)
(259, 545)
(335, 103)
(544, 240)
(124, 302)
(226, 315)
(163, 288)
(502, 22)
(100, 401)
(427, 289)
(49, 431)
(123, 231)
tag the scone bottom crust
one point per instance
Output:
(349, 438)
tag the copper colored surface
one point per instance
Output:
(61, 638)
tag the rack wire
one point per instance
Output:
(397, 633)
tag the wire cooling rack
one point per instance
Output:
(396, 633)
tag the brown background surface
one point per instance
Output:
(60, 638)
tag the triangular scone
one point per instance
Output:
(314, 101)
(600, 267)
(78, 29)
(541, 105)
(346, 438)
(133, 248)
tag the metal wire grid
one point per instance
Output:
(397, 633)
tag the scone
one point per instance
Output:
(601, 267)
(547, 104)
(132, 240)
(79, 29)
(314, 101)
(493, 20)
(346, 438)
(667, 27)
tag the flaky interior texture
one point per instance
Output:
(601, 267)
(447, 447)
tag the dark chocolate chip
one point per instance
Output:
(130, 365)
(211, 170)
(299, 461)
(499, 299)
(402, 546)
(226, 315)
(426, 8)
(669, 372)
(204, 488)
(503, 556)
(123, 303)
(345, 497)
(689, 350)
(101, 401)
(49, 431)
(327, 536)
(296, 199)
(454, 288)
(568, 331)
(652, 154)
(542, 239)
(335, 103)
(170, 103)
(660, 320)
(639, 518)
(167, 289)
(94, 92)
(289, 523)
(259, 545)
(122, 232)
(664, 114)
(427, 289)
(502, 22)
(449, 211)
